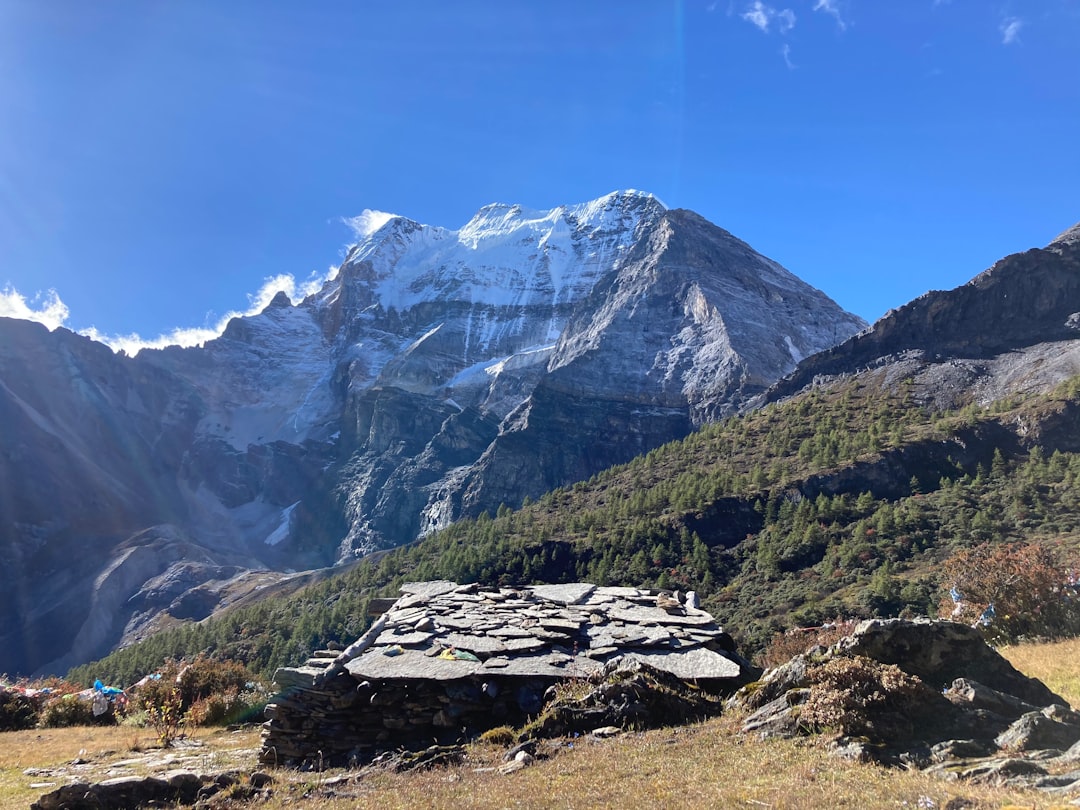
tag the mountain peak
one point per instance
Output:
(1068, 237)
(280, 300)
(368, 222)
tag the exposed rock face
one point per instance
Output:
(633, 324)
(1011, 329)
(922, 694)
(439, 373)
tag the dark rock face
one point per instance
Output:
(972, 729)
(681, 325)
(1013, 328)
(941, 652)
(439, 374)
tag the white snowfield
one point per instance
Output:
(506, 255)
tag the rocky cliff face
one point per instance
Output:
(632, 325)
(1011, 329)
(439, 373)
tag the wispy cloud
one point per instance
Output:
(367, 222)
(831, 7)
(46, 308)
(785, 51)
(199, 335)
(765, 16)
(1010, 30)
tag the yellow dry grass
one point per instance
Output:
(1056, 664)
(705, 765)
(32, 762)
(699, 766)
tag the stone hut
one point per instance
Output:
(448, 661)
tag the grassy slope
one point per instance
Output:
(841, 501)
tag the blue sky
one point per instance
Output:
(160, 161)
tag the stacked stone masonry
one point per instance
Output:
(448, 661)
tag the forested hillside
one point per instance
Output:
(842, 501)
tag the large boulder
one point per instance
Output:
(939, 652)
(927, 694)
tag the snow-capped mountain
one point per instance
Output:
(438, 373)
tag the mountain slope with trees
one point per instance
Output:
(844, 500)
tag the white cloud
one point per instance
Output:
(786, 53)
(831, 7)
(1010, 30)
(46, 308)
(763, 16)
(197, 336)
(758, 14)
(367, 222)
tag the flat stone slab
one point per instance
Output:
(689, 665)
(573, 594)
(410, 664)
(543, 666)
(297, 676)
(475, 643)
(429, 590)
(565, 626)
(510, 631)
(618, 591)
(404, 639)
(655, 616)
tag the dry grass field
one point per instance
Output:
(705, 765)
(1056, 664)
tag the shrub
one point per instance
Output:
(201, 693)
(161, 700)
(163, 712)
(1026, 584)
(17, 710)
(861, 697)
(782, 647)
(500, 735)
(204, 677)
(61, 711)
(230, 706)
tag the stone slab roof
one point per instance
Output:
(444, 631)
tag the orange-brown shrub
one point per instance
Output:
(858, 696)
(202, 692)
(782, 647)
(1027, 584)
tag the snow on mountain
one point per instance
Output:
(506, 255)
(265, 378)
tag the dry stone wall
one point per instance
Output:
(448, 661)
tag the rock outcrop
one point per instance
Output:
(922, 694)
(1011, 329)
(175, 789)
